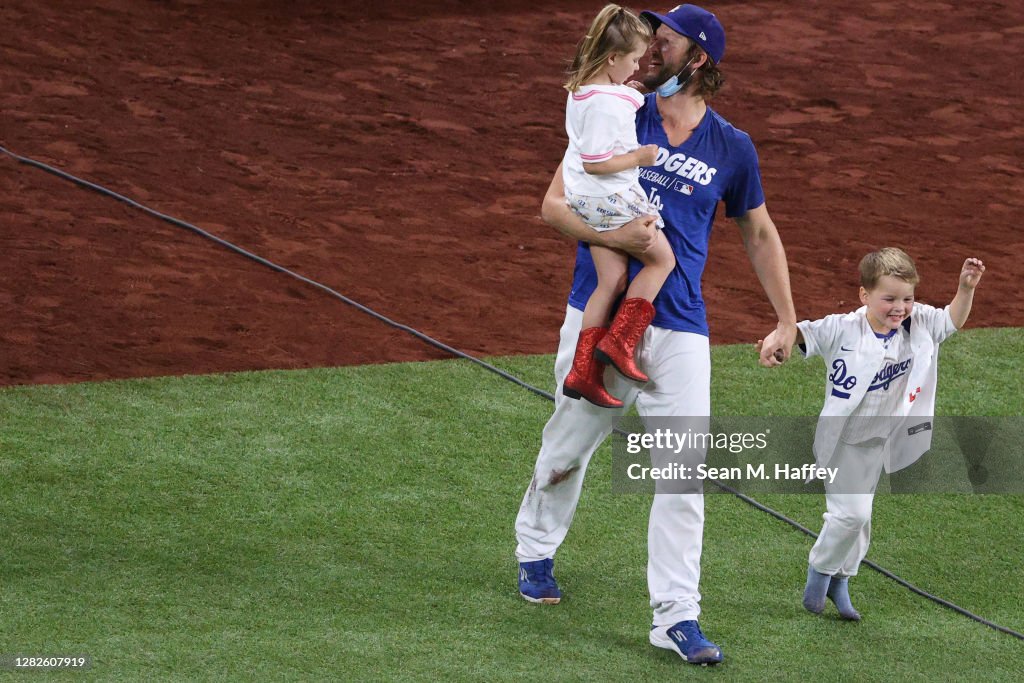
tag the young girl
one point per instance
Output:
(601, 176)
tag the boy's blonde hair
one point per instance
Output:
(615, 30)
(887, 261)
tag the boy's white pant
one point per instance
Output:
(846, 533)
(679, 365)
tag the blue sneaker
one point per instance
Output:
(537, 583)
(687, 640)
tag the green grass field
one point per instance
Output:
(356, 524)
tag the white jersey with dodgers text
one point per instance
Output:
(600, 121)
(883, 400)
(855, 362)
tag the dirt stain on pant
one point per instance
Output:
(558, 476)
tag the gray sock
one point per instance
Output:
(839, 593)
(814, 591)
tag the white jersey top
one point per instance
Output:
(872, 418)
(601, 123)
(856, 361)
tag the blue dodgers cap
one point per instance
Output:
(695, 23)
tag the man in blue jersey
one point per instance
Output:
(702, 160)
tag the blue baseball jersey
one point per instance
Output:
(716, 163)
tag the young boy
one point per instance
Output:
(879, 401)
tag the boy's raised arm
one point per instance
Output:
(970, 275)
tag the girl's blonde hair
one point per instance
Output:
(615, 30)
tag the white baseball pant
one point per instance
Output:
(846, 533)
(679, 365)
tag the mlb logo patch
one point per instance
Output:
(680, 186)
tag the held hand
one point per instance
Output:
(774, 349)
(635, 237)
(647, 155)
(638, 86)
(776, 359)
(971, 273)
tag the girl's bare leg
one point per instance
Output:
(612, 269)
(658, 263)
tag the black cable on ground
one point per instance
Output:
(273, 266)
(878, 568)
(460, 354)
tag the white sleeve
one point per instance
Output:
(819, 336)
(937, 321)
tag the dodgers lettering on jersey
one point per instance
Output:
(890, 373)
(676, 166)
(842, 381)
(716, 163)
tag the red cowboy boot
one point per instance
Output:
(618, 348)
(586, 379)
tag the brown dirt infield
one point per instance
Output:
(400, 158)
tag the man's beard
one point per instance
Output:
(666, 72)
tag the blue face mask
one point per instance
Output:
(674, 85)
